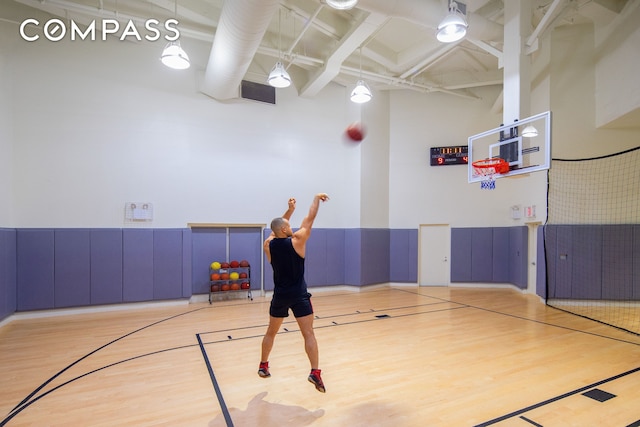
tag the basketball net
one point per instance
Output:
(488, 183)
(487, 168)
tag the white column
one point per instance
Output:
(517, 65)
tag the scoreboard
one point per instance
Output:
(454, 155)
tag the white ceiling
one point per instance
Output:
(392, 41)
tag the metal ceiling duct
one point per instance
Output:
(243, 24)
(241, 28)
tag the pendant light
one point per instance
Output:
(341, 4)
(278, 77)
(173, 56)
(361, 93)
(454, 26)
(529, 131)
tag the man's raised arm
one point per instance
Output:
(291, 208)
(307, 222)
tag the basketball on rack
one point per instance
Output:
(234, 264)
(215, 287)
(244, 263)
(242, 275)
(225, 287)
(235, 286)
(215, 276)
(215, 265)
(234, 275)
(244, 285)
(224, 265)
(224, 276)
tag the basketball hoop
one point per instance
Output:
(488, 168)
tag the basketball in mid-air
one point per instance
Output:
(355, 132)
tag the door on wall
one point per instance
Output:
(435, 244)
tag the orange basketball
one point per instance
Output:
(215, 276)
(245, 285)
(355, 132)
(244, 263)
(234, 264)
(235, 286)
(224, 276)
(215, 287)
(225, 287)
(242, 275)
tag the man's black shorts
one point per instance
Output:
(299, 305)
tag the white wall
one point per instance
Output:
(107, 123)
(88, 126)
(573, 99)
(424, 194)
(375, 194)
(618, 67)
(6, 127)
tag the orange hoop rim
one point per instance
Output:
(491, 166)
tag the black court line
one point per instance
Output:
(27, 401)
(557, 398)
(336, 316)
(525, 318)
(15, 412)
(334, 324)
(216, 386)
(531, 422)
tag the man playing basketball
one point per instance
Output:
(285, 251)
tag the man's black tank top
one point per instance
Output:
(288, 268)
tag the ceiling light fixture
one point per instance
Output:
(454, 26)
(530, 131)
(173, 56)
(361, 93)
(341, 4)
(278, 77)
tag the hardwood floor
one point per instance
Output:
(402, 356)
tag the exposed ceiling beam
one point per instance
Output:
(552, 12)
(350, 42)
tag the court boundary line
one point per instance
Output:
(216, 386)
(17, 411)
(30, 399)
(526, 318)
(316, 317)
(556, 399)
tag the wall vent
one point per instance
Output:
(258, 92)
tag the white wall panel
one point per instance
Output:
(106, 123)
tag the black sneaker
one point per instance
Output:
(315, 379)
(263, 370)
